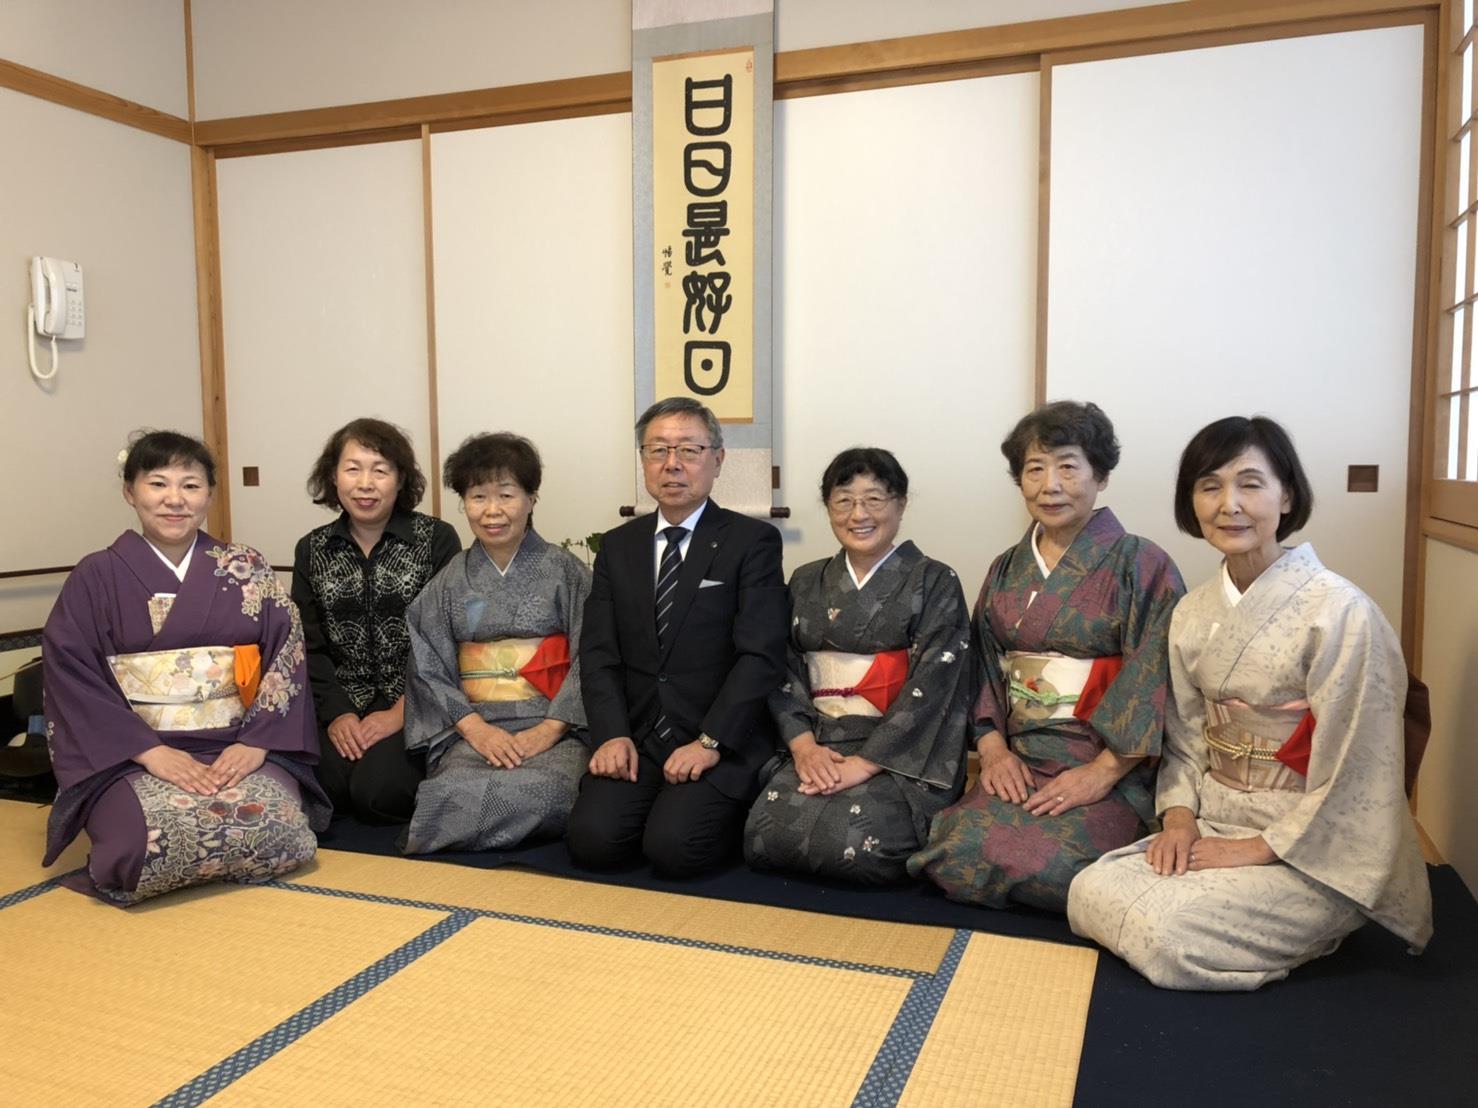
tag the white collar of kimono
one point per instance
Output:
(877, 565)
(489, 557)
(1229, 587)
(184, 567)
(1037, 554)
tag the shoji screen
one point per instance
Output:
(324, 301)
(1233, 230)
(905, 258)
(533, 306)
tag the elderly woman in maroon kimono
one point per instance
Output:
(178, 716)
(1072, 625)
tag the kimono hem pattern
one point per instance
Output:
(1345, 840)
(149, 836)
(465, 803)
(1111, 594)
(866, 833)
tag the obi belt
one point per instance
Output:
(1253, 749)
(1053, 686)
(191, 689)
(513, 669)
(855, 684)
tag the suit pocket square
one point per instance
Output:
(707, 584)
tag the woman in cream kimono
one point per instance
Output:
(493, 682)
(1281, 792)
(178, 716)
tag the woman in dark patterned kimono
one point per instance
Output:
(493, 687)
(352, 580)
(875, 710)
(177, 707)
(1072, 625)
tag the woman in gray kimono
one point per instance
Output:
(875, 708)
(493, 683)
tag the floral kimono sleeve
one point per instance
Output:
(1131, 717)
(280, 718)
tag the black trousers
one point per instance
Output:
(683, 830)
(378, 788)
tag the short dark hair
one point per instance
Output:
(1064, 423)
(857, 461)
(682, 405)
(485, 457)
(1218, 443)
(385, 439)
(151, 450)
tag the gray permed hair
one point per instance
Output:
(681, 405)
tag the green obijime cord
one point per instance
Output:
(1047, 700)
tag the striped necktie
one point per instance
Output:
(672, 561)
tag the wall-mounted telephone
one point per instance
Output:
(56, 310)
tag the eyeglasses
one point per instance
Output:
(843, 505)
(657, 452)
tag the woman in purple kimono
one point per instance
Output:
(1072, 625)
(177, 708)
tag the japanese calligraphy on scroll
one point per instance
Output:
(703, 229)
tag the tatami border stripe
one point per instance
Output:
(213, 1080)
(595, 929)
(22, 895)
(895, 1059)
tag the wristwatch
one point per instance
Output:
(708, 743)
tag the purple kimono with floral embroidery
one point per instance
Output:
(1109, 596)
(230, 597)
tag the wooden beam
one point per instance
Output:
(69, 94)
(1044, 198)
(212, 336)
(1075, 32)
(433, 409)
(584, 95)
(916, 59)
(190, 65)
(1424, 333)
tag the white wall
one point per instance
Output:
(1233, 231)
(117, 200)
(905, 278)
(279, 55)
(533, 306)
(1449, 777)
(135, 50)
(324, 299)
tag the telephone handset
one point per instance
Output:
(56, 296)
(56, 310)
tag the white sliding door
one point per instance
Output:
(324, 301)
(1233, 231)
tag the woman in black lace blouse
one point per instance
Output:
(352, 580)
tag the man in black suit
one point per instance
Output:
(683, 642)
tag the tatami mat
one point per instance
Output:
(517, 892)
(566, 993)
(508, 1014)
(110, 1006)
(23, 842)
(1010, 1029)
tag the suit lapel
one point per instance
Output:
(702, 549)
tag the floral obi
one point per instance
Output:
(855, 684)
(190, 689)
(513, 669)
(1053, 686)
(1254, 749)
